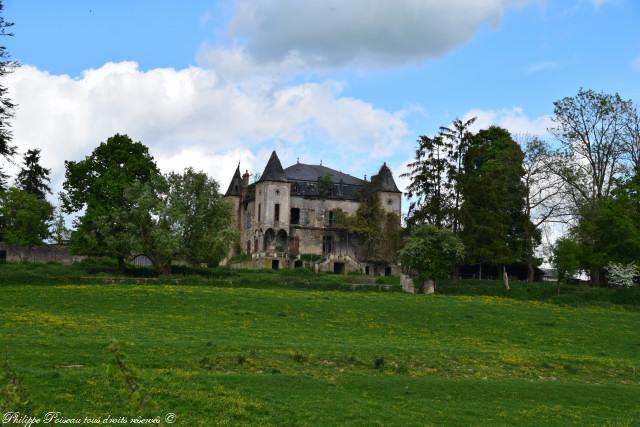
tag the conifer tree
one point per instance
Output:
(6, 105)
(33, 178)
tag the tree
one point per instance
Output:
(566, 259)
(179, 216)
(436, 175)
(609, 231)
(430, 253)
(493, 213)
(459, 137)
(428, 174)
(324, 186)
(6, 106)
(59, 232)
(33, 178)
(377, 234)
(633, 140)
(544, 203)
(592, 129)
(204, 219)
(97, 184)
(24, 218)
(3, 180)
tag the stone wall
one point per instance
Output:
(39, 254)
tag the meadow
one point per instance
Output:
(244, 348)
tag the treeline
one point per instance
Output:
(495, 193)
(125, 206)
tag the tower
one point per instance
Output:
(388, 193)
(272, 206)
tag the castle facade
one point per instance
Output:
(285, 219)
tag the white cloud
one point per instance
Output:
(192, 117)
(319, 34)
(514, 120)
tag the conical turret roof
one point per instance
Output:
(385, 180)
(235, 185)
(273, 171)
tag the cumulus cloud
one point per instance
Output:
(514, 119)
(319, 34)
(191, 117)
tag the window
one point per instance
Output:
(259, 212)
(255, 245)
(389, 202)
(295, 215)
(277, 192)
(330, 218)
(327, 245)
(248, 247)
(276, 213)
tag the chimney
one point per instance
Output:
(245, 179)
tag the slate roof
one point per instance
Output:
(304, 172)
(236, 184)
(273, 171)
(386, 182)
(305, 180)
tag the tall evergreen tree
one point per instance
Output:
(459, 136)
(429, 173)
(3, 181)
(6, 106)
(436, 175)
(33, 178)
(493, 211)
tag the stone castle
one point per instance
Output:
(285, 219)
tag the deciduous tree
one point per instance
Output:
(24, 218)
(97, 185)
(430, 253)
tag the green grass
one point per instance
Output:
(280, 354)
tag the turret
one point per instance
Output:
(388, 193)
(272, 205)
(234, 193)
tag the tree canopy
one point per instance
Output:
(24, 218)
(430, 253)
(97, 184)
(493, 212)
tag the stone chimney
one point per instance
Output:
(245, 179)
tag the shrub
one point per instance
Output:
(621, 275)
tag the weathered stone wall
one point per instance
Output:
(315, 212)
(40, 254)
(391, 202)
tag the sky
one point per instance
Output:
(351, 83)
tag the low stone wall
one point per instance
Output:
(39, 254)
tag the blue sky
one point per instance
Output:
(352, 84)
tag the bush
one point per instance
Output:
(621, 275)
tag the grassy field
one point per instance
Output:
(312, 352)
